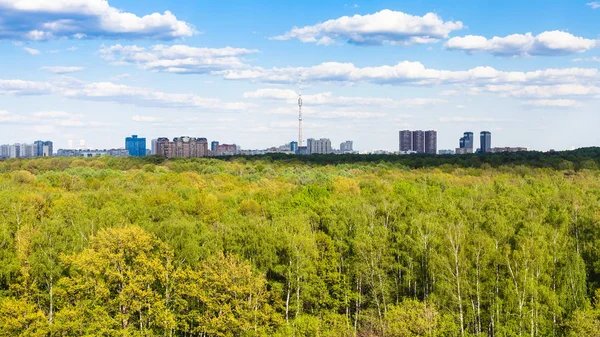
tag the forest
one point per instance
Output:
(351, 246)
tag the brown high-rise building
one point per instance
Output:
(431, 142)
(182, 147)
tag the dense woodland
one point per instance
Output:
(492, 245)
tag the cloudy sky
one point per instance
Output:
(228, 70)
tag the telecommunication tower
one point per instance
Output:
(300, 112)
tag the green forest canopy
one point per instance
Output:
(492, 245)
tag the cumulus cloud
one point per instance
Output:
(62, 69)
(84, 19)
(551, 43)
(384, 27)
(180, 59)
(31, 51)
(111, 92)
(408, 73)
(327, 98)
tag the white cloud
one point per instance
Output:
(20, 87)
(150, 119)
(49, 120)
(327, 98)
(594, 4)
(178, 58)
(587, 59)
(62, 69)
(408, 73)
(45, 129)
(553, 103)
(460, 106)
(541, 91)
(112, 92)
(551, 43)
(31, 51)
(384, 27)
(83, 19)
(468, 120)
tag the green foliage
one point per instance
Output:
(378, 246)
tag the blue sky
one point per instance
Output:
(227, 70)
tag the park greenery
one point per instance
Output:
(370, 246)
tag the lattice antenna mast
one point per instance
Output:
(300, 112)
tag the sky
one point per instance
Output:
(229, 71)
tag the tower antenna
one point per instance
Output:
(300, 112)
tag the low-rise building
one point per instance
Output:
(508, 149)
(86, 153)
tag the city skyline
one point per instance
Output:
(222, 71)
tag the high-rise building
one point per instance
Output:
(346, 146)
(15, 151)
(154, 146)
(431, 142)
(213, 145)
(418, 140)
(27, 150)
(319, 146)
(465, 144)
(47, 149)
(406, 141)
(5, 151)
(39, 148)
(486, 141)
(136, 146)
(225, 150)
(294, 147)
(182, 147)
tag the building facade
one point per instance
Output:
(418, 141)
(347, 147)
(213, 145)
(431, 142)
(508, 149)
(136, 146)
(153, 146)
(5, 151)
(92, 153)
(465, 144)
(182, 147)
(406, 141)
(319, 146)
(485, 141)
(225, 150)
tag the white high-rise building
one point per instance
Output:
(154, 147)
(346, 147)
(15, 150)
(27, 150)
(4, 151)
(319, 146)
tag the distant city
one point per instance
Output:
(410, 142)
